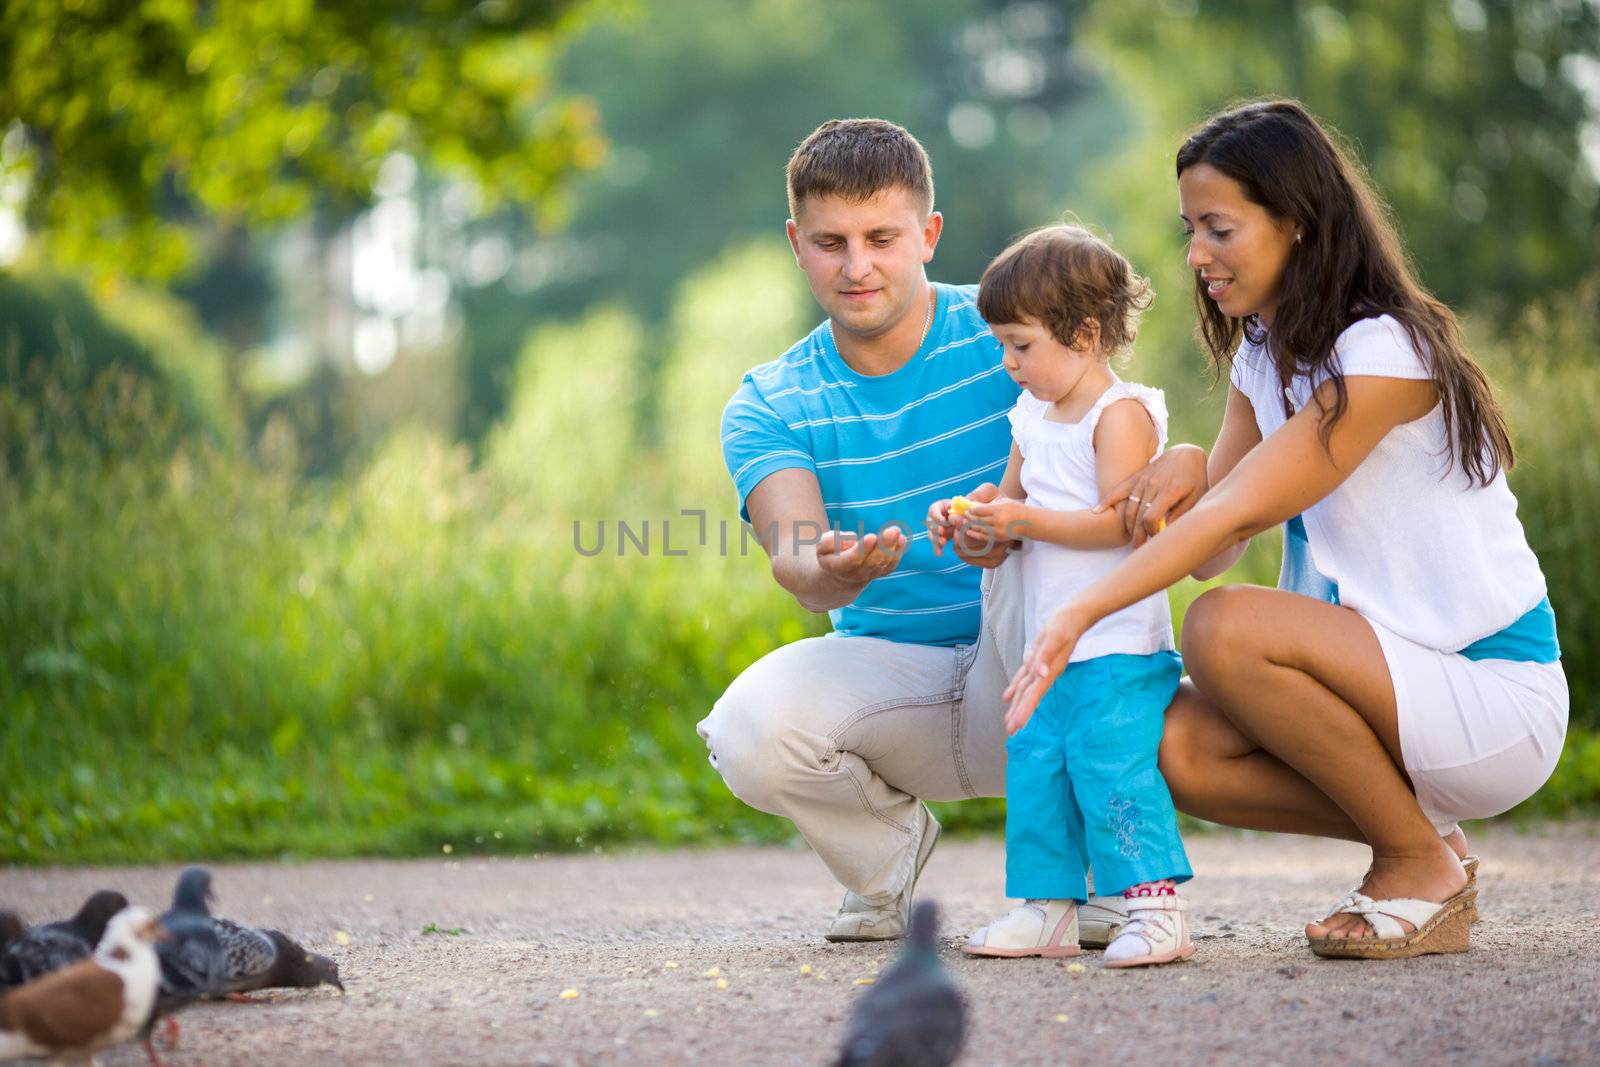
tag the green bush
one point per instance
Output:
(1547, 376)
(201, 655)
(56, 336)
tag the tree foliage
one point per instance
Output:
(124, 118)
(702, 110)
(1472, 116)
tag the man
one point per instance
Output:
(837, 449)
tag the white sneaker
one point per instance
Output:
(1157, 931)
(859, 921)
(1034, 928)
(1100, 920)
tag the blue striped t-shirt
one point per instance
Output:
(883, 449)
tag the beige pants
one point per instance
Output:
(846, 736)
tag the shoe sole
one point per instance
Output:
(1470, 865)
(916, 873)
(1150, 961)
(1058, 947)
(1100, 940)
(1064, 952)
(1450, 930)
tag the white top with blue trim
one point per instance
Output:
(1408, 539)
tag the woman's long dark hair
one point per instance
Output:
(1349, 265)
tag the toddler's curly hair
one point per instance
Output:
(1064, 278)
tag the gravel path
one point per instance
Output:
(636, 935)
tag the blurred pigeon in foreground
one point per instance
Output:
(914, 1015)
(90, 1004)
(51, 946)
(11, 928)
(269, 959)
(192, 963)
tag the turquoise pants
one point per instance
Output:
(1082, 787)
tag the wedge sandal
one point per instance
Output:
(1438, 928)
(1469, 864)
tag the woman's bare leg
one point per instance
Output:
(1218, 774)
(1307, 682)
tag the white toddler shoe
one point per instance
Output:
(1100, 920)
(1034, 928)
(1157, 931)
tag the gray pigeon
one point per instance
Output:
(269, 959)
(192, 963)
(28, 954)
(914, 1016)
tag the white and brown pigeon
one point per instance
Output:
(30, 954)
(269, 959)
(73, 1012)
(914, 1016)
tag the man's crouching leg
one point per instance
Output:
(842, 736)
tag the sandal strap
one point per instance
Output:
(1345, 901)
(1166, 902)
(1381, 915)
(1155, 919)
(1153, 928)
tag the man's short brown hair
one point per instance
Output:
(856, 159)
(1063, 277)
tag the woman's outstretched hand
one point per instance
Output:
(1165, 488)
(1043, 663)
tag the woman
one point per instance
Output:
(1420, 683)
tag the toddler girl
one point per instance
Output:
(1081, 780)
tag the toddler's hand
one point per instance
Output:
(941, 523)
(978, 545)
(1002, 517)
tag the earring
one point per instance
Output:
(1299, 235)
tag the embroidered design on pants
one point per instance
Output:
(1125, 823)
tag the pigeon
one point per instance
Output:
(914, 1016)
(100, 1001)
(269, 959)
(52, 946)
(192, 961)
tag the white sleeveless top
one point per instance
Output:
(1058, 473)
(1409, 540)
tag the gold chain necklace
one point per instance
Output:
(927, 323)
